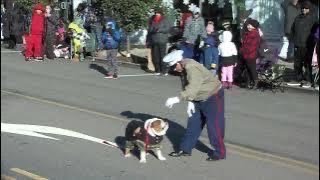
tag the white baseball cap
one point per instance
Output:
(173, 57)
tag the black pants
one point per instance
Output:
(252, 71)
(49, 42)
(302, 58)
(158, 51)
(12, 41)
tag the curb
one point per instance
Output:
(287, 87)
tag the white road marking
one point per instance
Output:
(35, 130)
(28, 174)
(136, 75)
(10, 51)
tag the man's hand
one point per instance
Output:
(171, 101)
(190, 109)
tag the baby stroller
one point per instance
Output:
(271, 76)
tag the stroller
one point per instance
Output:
(271, 76)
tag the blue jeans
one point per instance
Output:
(208, 56)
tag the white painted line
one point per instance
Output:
(35, 130)
(137, 75)
(28, 174)
(10, 51)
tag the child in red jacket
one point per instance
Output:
(249, 50)
(34, 40)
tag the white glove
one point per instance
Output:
(190, 109)
(171, 101)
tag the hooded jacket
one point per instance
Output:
(37, 21)
(227, 49)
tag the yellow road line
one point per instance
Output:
(4, 177)
(28, 174)
(236, 149)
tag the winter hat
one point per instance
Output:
(173, 57)
(196, 10)
(39, 6)
(306, 4)
(254, 23)
(210, 28)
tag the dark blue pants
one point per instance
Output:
(210, 113)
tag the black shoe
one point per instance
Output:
(214, 158)
(179, 153)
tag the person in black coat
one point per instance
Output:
(301, 31)
(51, 24)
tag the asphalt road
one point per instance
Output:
(269, 136)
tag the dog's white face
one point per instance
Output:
(159, 130)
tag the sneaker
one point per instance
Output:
(109, 77)
(114, 76)
(165, 74)
(157, 74)
(294, 83)
(317, 88)
(306, 85)
(28, 59)
(39, 59)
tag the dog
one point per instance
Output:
(147, 136)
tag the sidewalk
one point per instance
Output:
(138, 59)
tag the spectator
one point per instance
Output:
(249, 50)
(111, 37)
(51, 27)
(34, 40)
(158, 34)
(78, 39)
(301, 32)
(291, 10)
(194, 31)
(209, 56)
(228, 52)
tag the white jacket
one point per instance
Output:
(226, 47)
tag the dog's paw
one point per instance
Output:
(143, 161)
(161, 158)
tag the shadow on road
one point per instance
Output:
(98, 68)
(174, 133)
